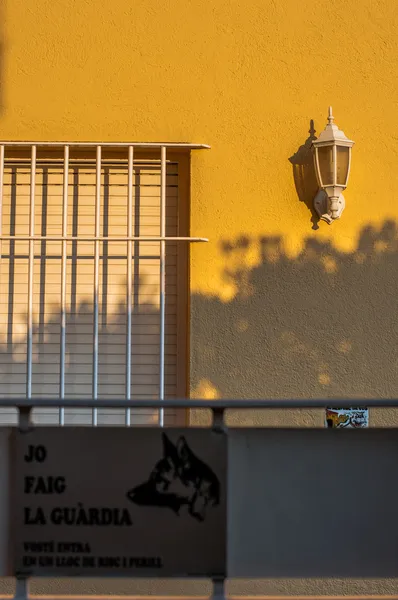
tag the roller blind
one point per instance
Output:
(145, 339)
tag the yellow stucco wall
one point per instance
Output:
(245, 78)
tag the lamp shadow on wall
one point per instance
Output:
(304, 174)
(319, 325)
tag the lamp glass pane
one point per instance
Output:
(325, 158)
(343, 163)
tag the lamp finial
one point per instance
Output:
(330, 116)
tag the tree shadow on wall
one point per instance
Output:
(323, 324)
(46, 339)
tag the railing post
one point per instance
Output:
(24, 417)
(218, 419)
(218, 588)
(21, 588)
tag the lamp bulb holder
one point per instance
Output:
(328, 209)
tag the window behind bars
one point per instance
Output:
(101, 200)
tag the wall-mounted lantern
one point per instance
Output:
(332, 159)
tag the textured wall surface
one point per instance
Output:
(281, 306)
(301, 503)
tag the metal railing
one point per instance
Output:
(217, 407)
(214, 405)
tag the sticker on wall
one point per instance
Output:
(352, 418)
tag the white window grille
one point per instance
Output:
(77, 222)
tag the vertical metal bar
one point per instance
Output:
(21, 589)
(1, 193)
(96, 280)
(63, 285)
(129, 279)
(29, 336)
(1, 199)
(162, 277)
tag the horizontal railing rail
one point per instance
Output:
(93, 238)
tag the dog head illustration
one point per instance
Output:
(179, 478)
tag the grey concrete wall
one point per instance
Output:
(311, 503)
